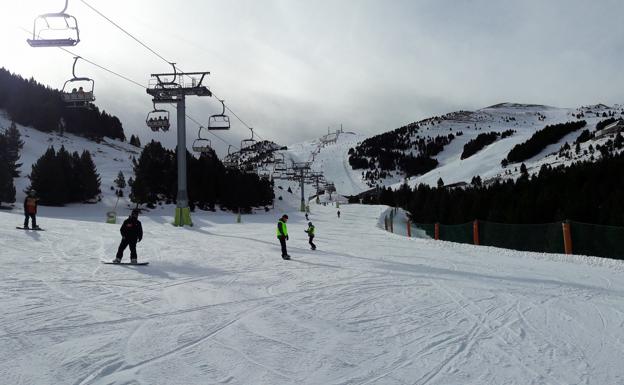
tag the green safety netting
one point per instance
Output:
(587, 239)
(457, 233)
(597, 240)
(547, 238)
(423, 230)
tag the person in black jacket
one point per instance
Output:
(131, 233)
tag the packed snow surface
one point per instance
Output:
(217, 305)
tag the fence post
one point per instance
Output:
(409, 228)
(475, 232)
(436, 231)
(386, 222)
(391, 224)
(567, 237)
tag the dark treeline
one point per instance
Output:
(540, 140)
(31, 104)
(588, 192)
(604, 123)
(392, 151)
(482, 140)
(59, 177)
(209, 182)
(10, 146)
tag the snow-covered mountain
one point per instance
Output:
(525, 120)
(520, 121)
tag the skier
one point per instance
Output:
(282, 235)
(30, 210)
(306, 215)
(131, 233)
(310, 232)
(338, 213)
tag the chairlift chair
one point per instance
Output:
(48, 27)
(200, 144)
(247, 144)
(158, 119)
(78, 91)
(219, 121)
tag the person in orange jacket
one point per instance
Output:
(30, 210)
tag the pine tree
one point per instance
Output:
(90, 177)
(48, 180)
(120, 182)
(440, 183)
(14, 145)
(134, 140)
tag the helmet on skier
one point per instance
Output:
(284, 216)
(135, 213)
(309, 223)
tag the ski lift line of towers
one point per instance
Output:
(59, 29)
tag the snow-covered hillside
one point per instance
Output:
(110, 157)
(525, 120)
(331, 159)
(218, 305)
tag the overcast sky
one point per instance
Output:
(293, 68)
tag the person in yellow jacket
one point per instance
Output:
(282, 235)
(310, 232)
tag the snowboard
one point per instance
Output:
(126, 263)
(30, 228)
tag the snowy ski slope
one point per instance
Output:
(217, 305)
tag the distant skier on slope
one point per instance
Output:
(30, 210)
(282, 235)
(310, 232)
(338, 213)
(131, 233)
(306, 216)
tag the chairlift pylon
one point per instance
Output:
(200, 144)
(247, 144)
(158, 119)
(219, 121)
(47, 29)
(78, 97)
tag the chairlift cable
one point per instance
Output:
(133, 82)
(124, 31)
(160, 56)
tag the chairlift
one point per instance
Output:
(219, 121)
(279, 159)
(247, 144)
(81, 94)
(48, 30)
(158, 119)
(200, 144)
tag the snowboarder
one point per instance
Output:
(131, 233)
(282, 235)
(310, 232)
(30, 210)
(338, 213)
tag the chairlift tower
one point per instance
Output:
(302, 168)
(171, 88)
